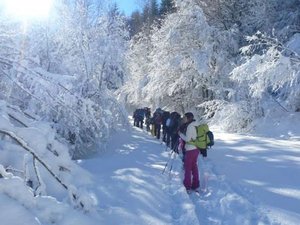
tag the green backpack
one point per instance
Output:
(203, 140)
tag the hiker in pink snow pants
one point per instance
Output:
(191, 174)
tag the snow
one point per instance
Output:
(294, 43)
(265, 171)
(279, 125)
(245, 180)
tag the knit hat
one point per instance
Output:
(189, 115)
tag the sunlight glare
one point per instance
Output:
(29, 8)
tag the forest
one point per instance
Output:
(69, 82)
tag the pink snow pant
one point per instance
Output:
(191, 174)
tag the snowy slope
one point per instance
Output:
(264, 171)
(246, 180)
(249, 180)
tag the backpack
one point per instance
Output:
(169, 122)
(172, 121)
(157, 118)
(165, 116)
(205, 138)
(140, 114)
(210, 137)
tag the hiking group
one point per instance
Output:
(182, 135)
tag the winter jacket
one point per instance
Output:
(191, 134)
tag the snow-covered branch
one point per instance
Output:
(25, 146)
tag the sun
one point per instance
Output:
(28, 9)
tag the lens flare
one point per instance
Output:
(28, 8)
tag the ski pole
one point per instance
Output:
(168, 162)
(172, 162)
(176, 152)
(166, 149)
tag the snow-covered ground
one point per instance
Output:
(246, 180)
(249, 180)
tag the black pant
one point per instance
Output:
(164, 131)
(174, 141)
(157, 130)
(140, 123)
(168, 138)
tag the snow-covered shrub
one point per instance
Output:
(235, 117)
(273, 75)
(209, 108)
(264, 83)
(30, 151)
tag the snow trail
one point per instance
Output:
(219, 203)
(131, 187)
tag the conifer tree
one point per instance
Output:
(145, 19)
(166, 7)
(154, 9)
(135, 23)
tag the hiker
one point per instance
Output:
(183, 124)
(148, 118)
(191, 173)
(165, 117)
(135, 118)
(173, 124)
(157, 121)
(138, 117)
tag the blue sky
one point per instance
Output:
(128, 6)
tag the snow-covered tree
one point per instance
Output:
(167, 7)
(55, 104)
(188, 62)
(250, 16)
(137, 61)
(273, 74)
(135, 23)
(114, 33)
(267, 83)
(60, 71)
